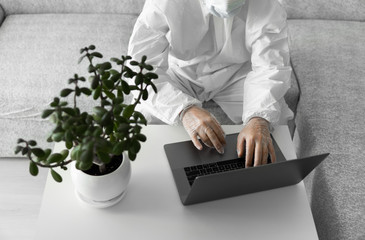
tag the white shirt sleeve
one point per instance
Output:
(269, 80)
(149, 38)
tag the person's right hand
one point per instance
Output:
(201, 123)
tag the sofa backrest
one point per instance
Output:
(349, 10)
(71, 6)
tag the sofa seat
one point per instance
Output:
(39, 53)
(329, 63)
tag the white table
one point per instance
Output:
(152, 208)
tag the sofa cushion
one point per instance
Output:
(71, 6)
(39, 54)
(328, 59)
(325, 9)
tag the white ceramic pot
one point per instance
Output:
(102, 191)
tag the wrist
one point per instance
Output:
(182, 113)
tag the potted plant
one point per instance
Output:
(98, 145)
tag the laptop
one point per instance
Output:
(206, 175)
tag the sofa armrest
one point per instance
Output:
(11, 7)
(2, 15)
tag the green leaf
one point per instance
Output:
(104, 157)
(118, 100)
(54, 158)
(114, 72)
(96, 54)
(145, 95)
(105, 66)
(148, 67)
(87, 154)
(20, 140)
(68, 144)
(118, 148)
(105, 76)
(38, 152)
(47, 112)
(141, 137)
(65, 92)
(151, 75)
(47, 152)
(115, 77)
(144, 58)
(99, 111)
(136, 146)
(134, 63)
(18, 149)
(92, 47)
(64, 154)
(25, 151)
(97, 132)
(32, 143)
(125, 87)
(69, 111)
(56, 176)
(84, 166)
(109, 84)
(109, 95)
(132, 156)
(117, 110)
(97, 93)
(139, 79)
(57, 137)
(81, 58)
(154, 87)
(95, 82)
(68, 136)
(86, 91)
(75, 152)
(128, 111)
(106, 119)
(33, 169)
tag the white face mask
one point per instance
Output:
(224, 8)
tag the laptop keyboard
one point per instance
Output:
(211, 168)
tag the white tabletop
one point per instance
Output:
(152, 208)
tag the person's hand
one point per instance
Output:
(200, 123)
(256, 137)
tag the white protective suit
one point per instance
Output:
(241, 62)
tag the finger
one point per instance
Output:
(265, 154)
(219, 131)
(214, 139)
(258, 154)
(196, 142)
(206, 141)
(249, 153)
(240, 146)
(272, 152)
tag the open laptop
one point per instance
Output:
(206, 175)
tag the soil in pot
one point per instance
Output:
(115, 162)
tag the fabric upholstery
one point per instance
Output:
(39, 54)
(328, 58)
(71, 6)
(324, 9)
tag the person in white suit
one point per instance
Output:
(234, 52)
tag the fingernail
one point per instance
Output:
(221, 150)
(238, 153)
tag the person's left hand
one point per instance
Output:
(256, 137)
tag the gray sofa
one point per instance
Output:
(39, 44)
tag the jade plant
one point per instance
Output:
(113, 127)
